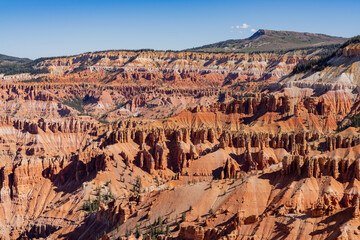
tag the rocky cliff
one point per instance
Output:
(134, 158)
(169, 68)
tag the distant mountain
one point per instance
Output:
(14, 65)
(274, 41)
(4, 59)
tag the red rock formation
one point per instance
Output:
(180, 68)
(231, 169)
(345, 169)
(157, 147)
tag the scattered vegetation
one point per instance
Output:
(156, 229)
(211, 211)
(76, 102)
(9, 59)
(34, 80)
(313, 65)
(137, 232)
(353, 40)
(322, 62)
(91, 206)
(80, 68)
(355, 122)
(17, 68)
(137, 186)
(177, 226)
(183, 217)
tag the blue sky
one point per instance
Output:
(39, 28)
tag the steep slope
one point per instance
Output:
(338, 71)
(275, 41)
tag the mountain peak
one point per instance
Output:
(265, 40)
(258, 33)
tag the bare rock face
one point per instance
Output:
(192, 232)
(338, 141)
(325, 206)
(171, 67)
(344, 169)
(231, 169)
(126, 145)
(116, 213)
(253, 105)
(352, 50)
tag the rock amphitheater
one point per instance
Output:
(181, 145)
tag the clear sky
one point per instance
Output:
(42, 28)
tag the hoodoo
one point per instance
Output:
(255, 138)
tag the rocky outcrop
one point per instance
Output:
(295, 143)
(180, 67)
(68, 126)
(351, 50)
(341, 169)
(18, 178)
(136, 143)
(338, 141)
(231, 169)
(226, 231)
(325, 206)
(116, 212)
(254, 105)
